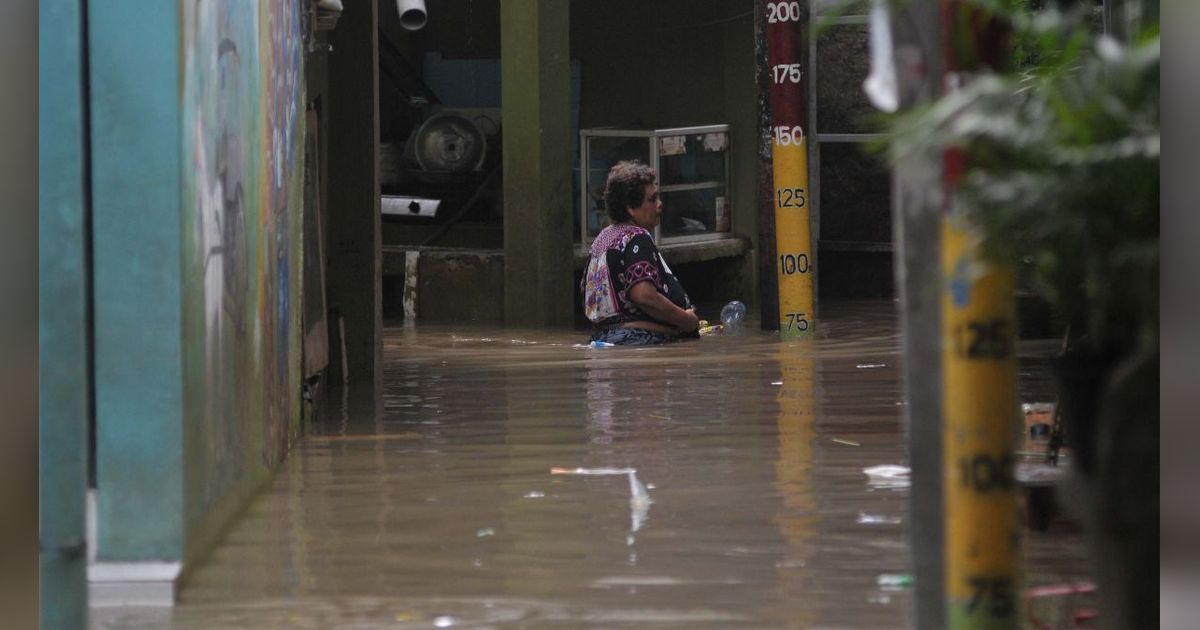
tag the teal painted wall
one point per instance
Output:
(198, 150)
(63, 372)
(137, 280)
(242, 133)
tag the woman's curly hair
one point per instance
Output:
(626, 188)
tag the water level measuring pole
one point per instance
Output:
(979, 375)
(786, 23)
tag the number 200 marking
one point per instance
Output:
(783, 12)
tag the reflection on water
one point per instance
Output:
(443, 510)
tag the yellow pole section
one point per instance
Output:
(980, 431)
(798, 512)
(793, 260)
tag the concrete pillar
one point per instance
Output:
(354, 279)
(916, 230)
(63, 327)
(136, 201)
(535, 93)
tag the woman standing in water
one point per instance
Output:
(629, 292)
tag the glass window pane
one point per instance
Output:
(603, 153)
(692, 158)
(843, 63)
(856, 195)
(694, 211)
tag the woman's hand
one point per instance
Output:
(691, 323)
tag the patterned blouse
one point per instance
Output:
(622, 256)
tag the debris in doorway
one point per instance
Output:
(846, 442)
(1080, 617)
(893, 581)
(887, 477)
(1039, 423)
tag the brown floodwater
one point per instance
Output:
(461, 505)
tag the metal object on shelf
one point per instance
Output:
(449, 142)
(410, 206)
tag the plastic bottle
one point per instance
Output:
(733, 314)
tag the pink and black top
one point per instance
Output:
(622, 256)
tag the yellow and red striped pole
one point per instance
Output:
(794, 265)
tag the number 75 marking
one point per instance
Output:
(797, 321)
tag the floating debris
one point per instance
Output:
(893, 581)
(878, 519)
(534, 494)
(487, 531)
(639, 497)
(870, 366)
(846, 442)
(888, 477)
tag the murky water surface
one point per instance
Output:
(748, 505)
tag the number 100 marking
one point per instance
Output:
(793, 263)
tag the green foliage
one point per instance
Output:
(1064, 169)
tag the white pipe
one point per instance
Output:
(412, 14)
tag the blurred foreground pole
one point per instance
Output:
(979, 372)
(916, 229)
(980, 410)
(787, 22)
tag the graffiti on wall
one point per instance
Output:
(242, 99)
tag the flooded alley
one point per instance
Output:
(462, 506)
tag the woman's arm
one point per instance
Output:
(650, 301)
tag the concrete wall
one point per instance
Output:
(242, 131)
